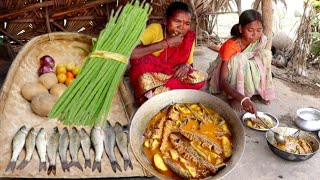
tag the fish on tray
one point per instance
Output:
(41, 144)
(74, 148)
(18, 142)
(30, 146)
(109, 145)
(64, 141)
(122, 140)
(97, 136)
(85, 146)
(52, 149)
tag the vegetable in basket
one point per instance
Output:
(88, 98)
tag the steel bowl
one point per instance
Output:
(287, 155)
(268, 116)
(308, 119)
(156, 103)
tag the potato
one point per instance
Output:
(159, 163)
(42, 104)
(48, 80)
(174, 154)
(57, 90)
(29, 90)
(226, 146)
(155, 143)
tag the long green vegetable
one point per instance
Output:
(88, 99)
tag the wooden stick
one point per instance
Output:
(58, 26)
(11, 37)
(47, 21)
(20, 10)
(80, 7)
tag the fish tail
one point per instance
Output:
(65, 166)
(115, 165)
(52, 168)
(76, 164)
(96, 165)
(87, 163)
(11, 165)
(43, 165)
(127, 163)
(23, 164)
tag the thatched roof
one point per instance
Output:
(21, 20)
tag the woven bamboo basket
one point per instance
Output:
(15, 111)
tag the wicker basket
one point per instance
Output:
(15, 111)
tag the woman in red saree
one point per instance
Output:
(164, 59)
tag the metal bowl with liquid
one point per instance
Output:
(155, 104)
(308, 119)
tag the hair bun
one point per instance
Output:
(235, 31)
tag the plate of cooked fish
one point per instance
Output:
(251, 121)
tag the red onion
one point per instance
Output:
(47, 61)
(44, 70)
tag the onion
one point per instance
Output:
(47, 61)
(44, 70)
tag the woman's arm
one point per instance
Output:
(248, 105)
(142, 50)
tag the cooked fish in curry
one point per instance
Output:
(188, 141)
(257, 124)
(297, 145)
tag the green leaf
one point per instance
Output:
(315, 48)
(315, 34)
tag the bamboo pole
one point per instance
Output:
(267, 21)
(20, 10)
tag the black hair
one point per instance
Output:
(173, 7)
(245, 18)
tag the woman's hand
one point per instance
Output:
(182, 71)
(249, 106)
(174, 41)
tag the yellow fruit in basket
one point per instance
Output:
(69, 81)
(62, 77)
(75, 71)
(70, 66)
(61, 69)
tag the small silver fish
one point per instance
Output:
(18, 142)
(52, 149)
(85, 146)
(30, 146)
(41, 144)
(64, 141)
(122, 140)
(109, 145)
(74, 148)
(97, 136)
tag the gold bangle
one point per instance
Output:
(245, 98)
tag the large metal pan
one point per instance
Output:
(156, 103)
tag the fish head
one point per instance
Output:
(82, 131)
(55, 129)
(65, 130)
(74, 130)
(117, 126)
(32, 131)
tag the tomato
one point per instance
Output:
(75, 71)
(70, 75)
(70, 66)
(61, 69)
(62, 77)
(69, 81)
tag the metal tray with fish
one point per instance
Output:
(252, 122)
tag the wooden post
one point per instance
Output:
(267, 18)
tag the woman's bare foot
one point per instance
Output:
(235, 105)
(266, 102)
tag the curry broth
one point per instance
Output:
(208, 129)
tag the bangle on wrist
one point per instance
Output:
(245, 98)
